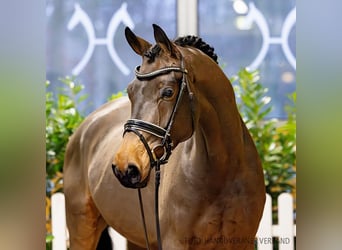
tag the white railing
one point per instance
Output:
(268, 234)
(284, 231)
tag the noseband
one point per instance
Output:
(159, 154)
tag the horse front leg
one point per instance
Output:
(85, 224)
(132, 246)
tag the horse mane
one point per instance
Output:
(183, 41)
(197, 42)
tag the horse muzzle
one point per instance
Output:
(130, 164)
(131, 178)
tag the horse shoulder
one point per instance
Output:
(89, 134)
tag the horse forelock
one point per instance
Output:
(153, 52)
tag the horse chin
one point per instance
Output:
(134, 186)
(140, 184)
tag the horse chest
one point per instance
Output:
(200, 228)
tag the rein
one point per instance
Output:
(159, 154)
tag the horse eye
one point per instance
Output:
(167, 93)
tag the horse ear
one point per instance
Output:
(139, 45)
(162, 39)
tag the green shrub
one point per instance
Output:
(275, 140)
(117, 95)
(62, 118)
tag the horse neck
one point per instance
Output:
(219, 131)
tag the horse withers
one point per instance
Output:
(181, 116)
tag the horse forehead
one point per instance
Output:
(144, 91)
(160, 61)
(143, 105)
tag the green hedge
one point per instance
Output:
(275, 140)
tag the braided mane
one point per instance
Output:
(198, 43)
(192, 41)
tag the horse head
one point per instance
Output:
(160, 117)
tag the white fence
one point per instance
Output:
(283, 233)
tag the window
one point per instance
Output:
(266, 42)
(75, 28)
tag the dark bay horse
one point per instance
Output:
(212, 190)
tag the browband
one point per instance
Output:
(158, 72)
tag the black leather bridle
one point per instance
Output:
(137, 126)
(159, 154)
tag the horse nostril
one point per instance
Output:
(133, 174)
(116, 171)
(129, 178)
